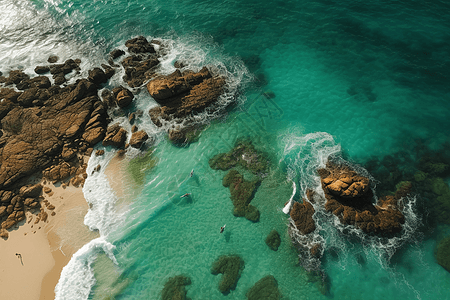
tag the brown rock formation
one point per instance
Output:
(43, 129)
(115, 136)
(349, 198)
(301, 214)
(138, 138)
(139, 66)
(181, 94)
(123, 96)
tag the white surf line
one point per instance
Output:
(288, 206)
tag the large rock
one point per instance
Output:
(115, 136)
(301, 214)
(30, 191)
(138, 138)
(97, 76)
(139, 45)
(139, 69)
(124, 98)
(349, 197)
(181, 94)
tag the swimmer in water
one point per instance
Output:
(186, 195)
(222, 228)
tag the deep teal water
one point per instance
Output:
(361, 80)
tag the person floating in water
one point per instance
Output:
(192, 173)
(186, 195)
(222, 228)
(20, 257)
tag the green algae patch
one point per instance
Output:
(175, 288)
(245, 155)
(231, 267)
(140, 165)
(242, 192)
(443, 253)
(273, 240)
(265, 289)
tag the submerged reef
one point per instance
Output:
(273, 240)
(231, 267)
(175, 288)
(243, 154)
(321, 280)
(242, 192)
(264, 289)
(442, 253)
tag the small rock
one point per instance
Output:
(138, 138)
(52, 59)
(41, 69)
(124, 98)
(97, 76)
(116, 53)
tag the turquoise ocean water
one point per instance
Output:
(366, 81)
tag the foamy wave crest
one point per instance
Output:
(102, 215)
(303, 155)
(77, 277)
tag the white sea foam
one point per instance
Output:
(30, 35)
(77, 277)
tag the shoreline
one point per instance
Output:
(46, 246)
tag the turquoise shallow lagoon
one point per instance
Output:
(367, 82)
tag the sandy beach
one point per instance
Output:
(44, 247)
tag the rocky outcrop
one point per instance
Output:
(175, 288)
(139, 67)
(265, 289)
(35, 135)
(123, 96)
(349, 197)
(301, 214)
(231, 267)
(138, 138)
(44, 127)
(273, 240)
(181, 94)
(139, 45)
(242, 192)
(116, 136)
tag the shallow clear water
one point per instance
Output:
(370, 79)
